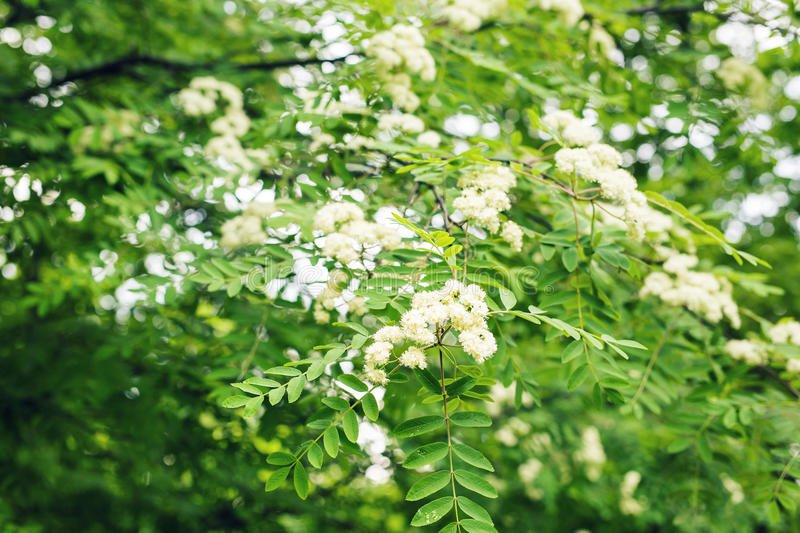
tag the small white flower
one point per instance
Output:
(787, 332)
(391, 334)
(378, 353)
(413, 357)
(750, 352)
(512, 234)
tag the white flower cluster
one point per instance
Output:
(569, 11)
(468, 15)
(398, 52)
(458, 305)
(572, 130)
(737, 75)
(326, 103)
(484, 194)
(395, 124)
(757, 353)
(752, 353)
(200, 99)
(529, 470)
(602, 42)
(700, 292)
(600, 163)
(787, 332)
(733, 487)
(591, 453)
(400, 123)
(247, 228)
(333, 298)
(628, 504)
(348, 236)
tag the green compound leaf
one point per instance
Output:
(428, 485)
(418, 426)
(370, 406)
(276, 395)
(277, 478)
(477, 526)
(425, 455)
(280, 458)
(472, 456)
(300, 481)
(232, 402)
(295, 388)
(432, 512)
(353, 382)
(350, 426)
(471, 419)
(475, 483)
(315, 456)
(330, 439)
(474, 510)
(252, 405)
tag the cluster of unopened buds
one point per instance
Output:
(433, 315)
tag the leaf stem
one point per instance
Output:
(449, 438)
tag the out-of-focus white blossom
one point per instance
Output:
(787, 332)
(201, 98)
(247, 228)
(402, 48)
(484, 195)
(736, 75)
(512, 234)
(700, 292)
(468, 15)
(733, 487)
(569, 11)
(591, 454)
(348, 236)
(628, 504)
(602, 42)
(571, 129)
(750, 352)
(400, 122)
(398, 52)
(529, 470)
(77, 209)
(429, 138)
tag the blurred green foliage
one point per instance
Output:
(110, 412)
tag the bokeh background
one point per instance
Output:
(109, 374)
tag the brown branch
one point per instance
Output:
(770, 373)
(442, 205)
(660, 10)
(122, 66)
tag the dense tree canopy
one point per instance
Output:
(459, 265)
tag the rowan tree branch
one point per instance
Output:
(124, 64)
(661, 10)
